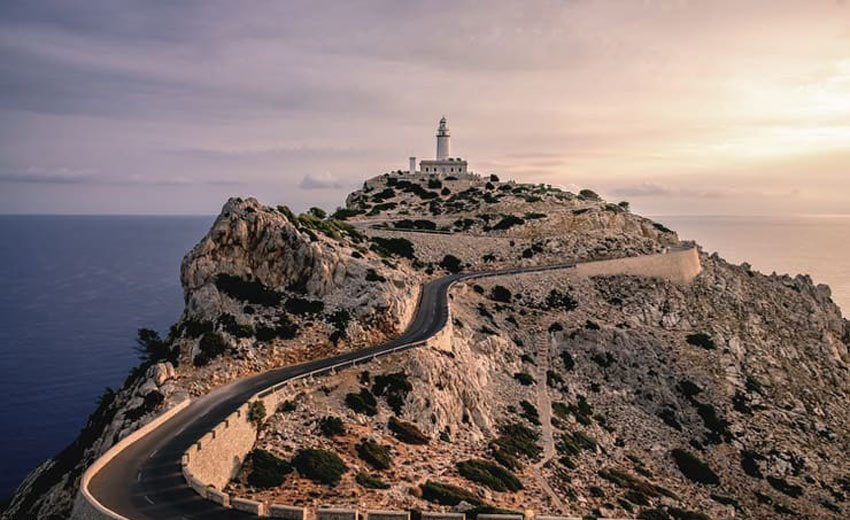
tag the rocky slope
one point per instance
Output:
(606, 396)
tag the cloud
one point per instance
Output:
(321, 181)
(62, 175)
(650, 189)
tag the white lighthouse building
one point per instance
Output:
(444, 164)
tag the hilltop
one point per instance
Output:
(609, 395)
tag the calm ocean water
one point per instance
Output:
(73, 291)
(816, 245)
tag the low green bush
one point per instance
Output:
(211, 346)
(701, 340)
(395, 246)
(517, 439)
(508, 222)
(369, 481)
(448, 494)
(529, 412)
(451, 264)
(376, 455)
(267, 470)
(557, 300)
(250, 291)
(500, 294)
(394, 387)
(491, 475)
(331, 426)
(303, 306)
(524, 378)
(322, 466)
(407, 432)
(256, 413)
(363, 402)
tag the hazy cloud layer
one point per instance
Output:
(684, 106)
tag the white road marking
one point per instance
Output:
(138, 476)
(149, 499)
(152, 454)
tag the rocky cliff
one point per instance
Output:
(611, 395)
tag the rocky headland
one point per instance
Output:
(603, 396)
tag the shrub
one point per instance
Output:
(718, 426)
(196, 328)
(211, 346)
(331, 426)
(569, 362)
(363, 402)
(448, 494)
(491, 475)
(229, 324)
(529, 412)
(517, 439)
(394, 387)
(302, 306)
(250, 291)
(407, 432)
(693, 468)
(589, 195)
(451, 264)
(376, 455)
(554, 379)
(283, 329)
(256, 413)
(508, 222)
(434, 184)
(151, 348)
(557, 300)
(628, 481)
(661, 227)
(701, 340)
(322, 466)
(267, 470)
(573, 443)
(395, 246)
(524, 378)
(494, 177)
(500, 294)
(370, 481)
(749, 463)
(346, 213)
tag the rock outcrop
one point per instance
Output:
(725, 397)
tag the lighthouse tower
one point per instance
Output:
(444, 145)
(444, 164)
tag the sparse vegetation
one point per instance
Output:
(394, 387)
(331, 426)
(517, 439)
(407, 432)
(211, 346)
(376, 455)
(363, 402)
(394, 246)
(448, 494)
(256, 413)
(250, 291)
(701, 339)
(369, 481)
(524, 378)
(322, 466)
(267, 469)
(451, 264)
(529, 412)
(491, 475)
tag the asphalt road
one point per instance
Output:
(145, 480)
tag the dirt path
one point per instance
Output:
(544, 408)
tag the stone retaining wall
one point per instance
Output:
(677, 266)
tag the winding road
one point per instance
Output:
(144, 481)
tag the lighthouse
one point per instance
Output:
(444, 144)
(444, 164)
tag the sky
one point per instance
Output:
(680, 107)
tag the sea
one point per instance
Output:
(74, 290)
